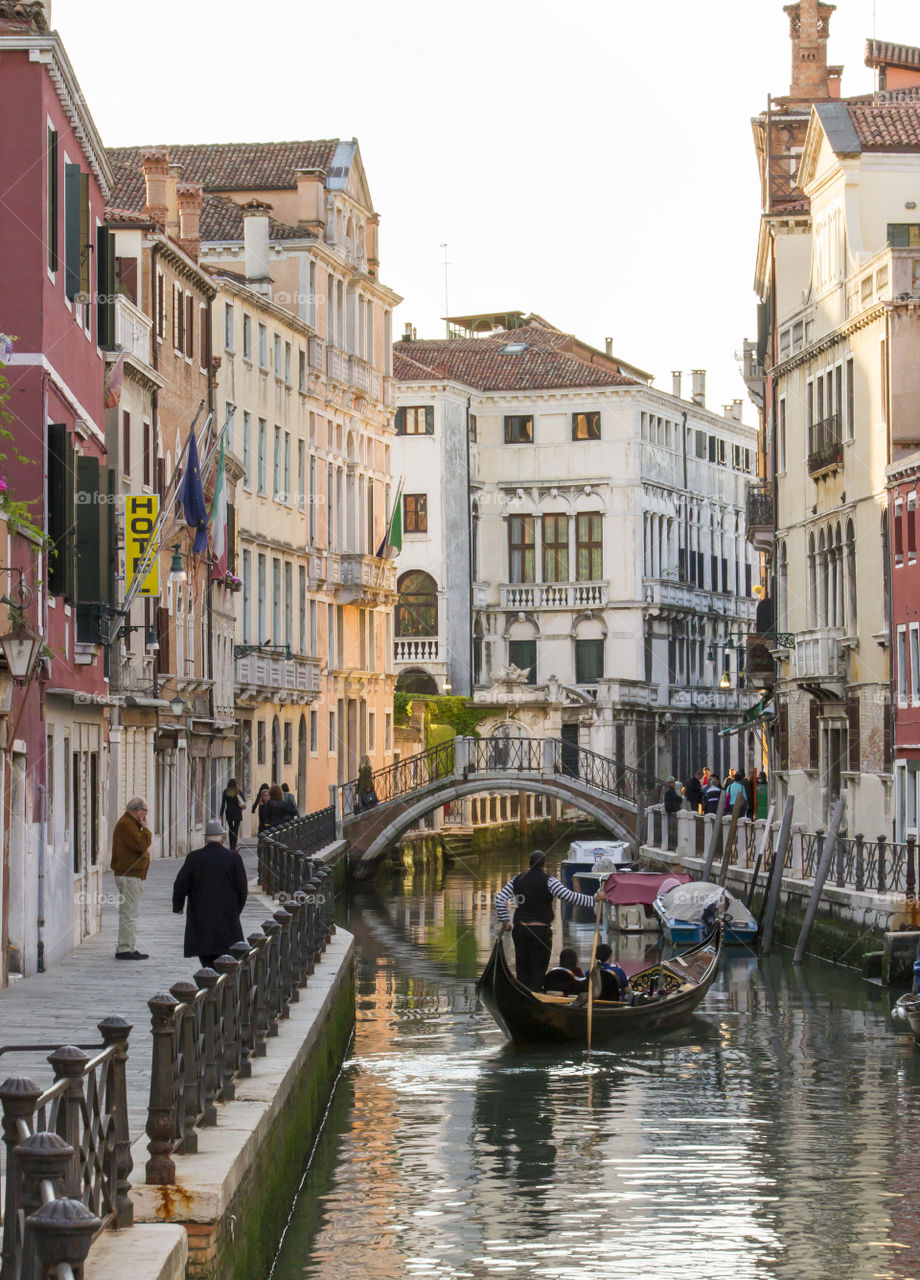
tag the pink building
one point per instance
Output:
(56, 298)
(903, 484)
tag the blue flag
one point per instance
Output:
(191, 495)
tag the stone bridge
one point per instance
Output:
(606, 790)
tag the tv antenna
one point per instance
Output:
(446, 309)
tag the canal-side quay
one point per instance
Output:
(193, 1142)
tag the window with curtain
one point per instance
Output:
(417, 606)
(521, 549)
(555, 548)
(589, 550)
(586, 426)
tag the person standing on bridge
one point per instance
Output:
(533, 891)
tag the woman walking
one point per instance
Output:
(231, 807)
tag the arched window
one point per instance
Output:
(812, 584)
(413, 680)
(851, 578)
(417, 606)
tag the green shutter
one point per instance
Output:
(400, 423)
(92, 545)
(105, 289)
(85, 238)
(60, 505)
(73, 188)
(429, 419)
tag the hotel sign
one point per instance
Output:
(141, 512)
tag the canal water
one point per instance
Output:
(778, 1135)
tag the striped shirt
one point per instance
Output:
(556, 888)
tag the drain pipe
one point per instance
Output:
(42, 793)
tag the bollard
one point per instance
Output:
(860, 862)
(162, 1110)
(910, 886)
(881, 869)
(115, 1031)
(63, 1232)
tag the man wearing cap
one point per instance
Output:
(213, 881)
(533, 891)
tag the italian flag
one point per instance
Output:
(219, 519)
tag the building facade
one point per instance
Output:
(603, 548)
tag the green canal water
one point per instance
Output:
(778, 1135)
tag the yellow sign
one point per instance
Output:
(140, 521)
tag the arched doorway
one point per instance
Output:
(414, 680)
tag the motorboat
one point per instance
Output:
(587, 861)
(666, 995)
(685, 910)
(630, 895)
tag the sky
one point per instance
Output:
(591, 162)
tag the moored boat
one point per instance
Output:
(669, 992)
(907, 1009)
(685, 909)
(630, 895)
(587, 859)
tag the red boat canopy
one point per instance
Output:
(633, 888)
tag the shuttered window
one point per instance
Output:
(52, 180)
(105, 289)
(76, 232)
(813, 748)
(854, 750)
(782, 736)
(61, 499)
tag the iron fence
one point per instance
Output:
(284, 862)
(505, 755)
(68, 1156)
(402, 778)
(206, 1032)
(880, 865)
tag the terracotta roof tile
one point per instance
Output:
(880, 53)
(887, 127)
(547, 362)
(241, 166)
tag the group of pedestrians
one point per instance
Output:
(702, 790)
(274, 804)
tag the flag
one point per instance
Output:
(114, 377)
(391, 545)
(191, 495)
(219, 518)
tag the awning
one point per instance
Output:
(761, 713)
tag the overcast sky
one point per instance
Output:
(590, 161)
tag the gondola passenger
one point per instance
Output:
(615, 983)
(566, 978)
(533, 892)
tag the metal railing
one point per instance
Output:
(206, 1032)
(825, 445)
(760, 505)
(284, 862)
(403, 777)
(68, 1156)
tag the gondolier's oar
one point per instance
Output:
(597, 925)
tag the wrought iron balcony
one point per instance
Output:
(825, 446)
(760, 507)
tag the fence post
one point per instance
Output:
(190, 1099)
(272, 975)
(910, 883)
(258, 942)
(285, 966)
(115, 1031)
(42, 1157)
(229, 970)
(841, 863)
(68, 1064)
(161, 1111)
(881, 869)
(63, 1232)
(242, 952)
(18, 1096)
(206, 980)
(860, 862)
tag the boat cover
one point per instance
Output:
(640, 888)
(687, 902)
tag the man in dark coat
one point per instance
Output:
(213, 879)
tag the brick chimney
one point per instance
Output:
(699, 386)
(155, 164)
(256, 246)
(311, 199)
(188, 197)
(809, 24)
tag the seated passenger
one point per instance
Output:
(566, 979)
(614, 980)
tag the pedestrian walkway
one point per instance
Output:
(64, 1005)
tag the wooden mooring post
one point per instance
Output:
(775, 879)
(715, 837)
(761, 854)
(830, 844)
(732, 837)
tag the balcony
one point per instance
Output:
(819, 656)
(337, 366)
(417, 649)
(133, 330)
(316, 354)
(825, 446)
(760, 515)
(552, 595)
(270, 676)
(316, 570)
(364, 579)
(363, 378)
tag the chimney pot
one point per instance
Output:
(676, 381)
(155, 166)
(608, 346)
(256, 246)
(188, 198)
(699, 386)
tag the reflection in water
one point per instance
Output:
(775, 1136)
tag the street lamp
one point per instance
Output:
(177, 572)
(726, 680)
(177, 704)
(22, 645)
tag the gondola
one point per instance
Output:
(669, 992)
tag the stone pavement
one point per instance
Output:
(64, 1005)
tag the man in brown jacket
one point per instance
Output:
(130, 861)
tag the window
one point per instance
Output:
(702, 445)
(473, 429)
(314, 650)
(276, 469)
(263, 450)
(302, 607)
(312, 499)
(261, 633)
(555, 548)
(521, 549)
(276, 601)
(388, 731)
(148, 455)
(77, 254)
(850, 425)
(523, 655)
(781, 435)
(263, 347)
(415, 509)
(331, 732)
(260, 741)
(589, 550)
(189, 325)
(161, 305)
(53, 178)
(247, 449)
(301, 369)
(247, 589)
(277, 355)
(915, 663)
(902, 667)
(904, 235)
(417, 605)
(288, 604)
(415, 420)
(288, 742)
(586, 426)
(125, 443)
(247, 337)
(518, 428)
(589, 661)
(287, 468)
(301, 475)
(898, 532)
(228, 326)
(372, 731)
(911, 528)
(287, 363)
(178, 319)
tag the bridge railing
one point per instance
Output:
(402, 778)
(603, 773)
(508, 755)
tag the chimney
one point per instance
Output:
(311, 199)
(188, 198)
(809, 24)
(699, 386)
(155, 165)
(408, 332)
(256, 246)
(676, 380)
(373, 245)
(608, 346)
(172, 198)
(737, 409)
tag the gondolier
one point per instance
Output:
(533, 891)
